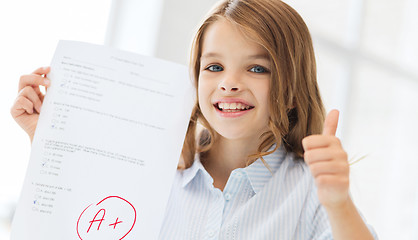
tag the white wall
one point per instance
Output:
(160, 28)
(133, 25)
(180, 20)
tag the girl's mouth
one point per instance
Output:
(232, 107)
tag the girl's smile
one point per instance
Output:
(232, 107)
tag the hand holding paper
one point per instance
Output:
(106, 145)
(27, 105)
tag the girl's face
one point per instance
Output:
(234, 83)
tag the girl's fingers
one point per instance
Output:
(318, 154)
(331, 123)
(41, 96)
(319, 141)
(37, 90)
(324, 154)
(328, 182)
(42, 70)
(22, 104)
(30, 94)
(327, 168)
(33, 80)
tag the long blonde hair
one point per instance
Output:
(296, 108)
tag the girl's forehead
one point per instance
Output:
(222, 36)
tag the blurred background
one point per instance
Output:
(367, 57)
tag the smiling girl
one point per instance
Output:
(267, 164)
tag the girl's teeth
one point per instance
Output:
(233, 106)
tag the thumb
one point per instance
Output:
(331, 123)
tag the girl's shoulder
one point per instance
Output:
(297, 164)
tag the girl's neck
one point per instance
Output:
(227, 155)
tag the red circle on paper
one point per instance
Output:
(100, 203)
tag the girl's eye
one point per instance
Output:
(258, 69)
(215, 68)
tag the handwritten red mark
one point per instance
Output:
(112, 207)
(100, 220)
(114, 224)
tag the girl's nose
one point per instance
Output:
(229, 89)
(230, 84)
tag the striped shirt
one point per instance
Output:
(255, 203)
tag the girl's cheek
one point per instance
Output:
(203, 89)
(201, 96)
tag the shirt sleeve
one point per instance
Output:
(321, 227)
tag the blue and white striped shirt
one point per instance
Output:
(255, 204)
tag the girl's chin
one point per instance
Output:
(239, 133)
(235, 134)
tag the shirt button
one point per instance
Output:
(227, 196)
(238, 175)
(211, 233)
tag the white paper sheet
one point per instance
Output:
(106, 147)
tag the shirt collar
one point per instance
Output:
(257, 172)
(190, 173)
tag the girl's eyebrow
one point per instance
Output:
(260, 56)
(210, 54)
(255, 56)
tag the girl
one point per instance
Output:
(267, 164)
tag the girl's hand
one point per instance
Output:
(328, 163)
(28, 103)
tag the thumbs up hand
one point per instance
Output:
(328, 163)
